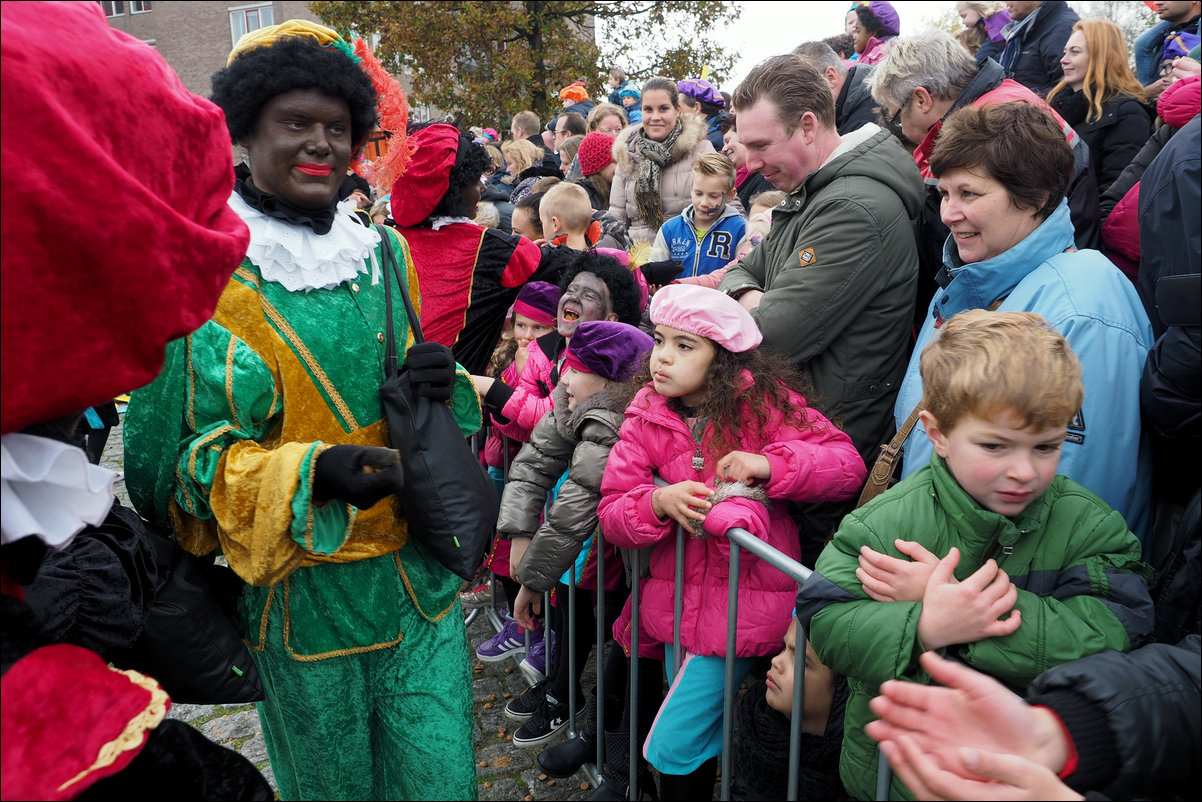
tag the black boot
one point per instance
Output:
(615, 779)
(696, 785)
(565, 759)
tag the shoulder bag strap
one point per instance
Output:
(390, 357)
(881, 475)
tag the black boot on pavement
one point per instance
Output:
(565, 759)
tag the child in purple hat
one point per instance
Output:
(566, 455)
(720, 421)
(533, 315)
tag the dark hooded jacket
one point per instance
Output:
(838, 271)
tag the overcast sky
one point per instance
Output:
(770, 28)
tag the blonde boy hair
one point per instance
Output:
(987, 364)
(715, 165)
(569, 202)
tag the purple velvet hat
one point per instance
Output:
(886, 14)
(701, 89)
(612, 350)
(538, 301)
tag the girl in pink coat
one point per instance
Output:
(719, 422)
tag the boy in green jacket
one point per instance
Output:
(985, 554)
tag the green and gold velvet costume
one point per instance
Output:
(355, 628)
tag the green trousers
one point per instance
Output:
(390, 723)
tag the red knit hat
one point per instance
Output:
(90, 302)
(428, 177)
(595, 153)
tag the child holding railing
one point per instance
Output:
(724, 423)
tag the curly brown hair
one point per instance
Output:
(773, 376)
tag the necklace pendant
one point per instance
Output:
(698, 461)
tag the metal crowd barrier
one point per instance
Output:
(740, 539)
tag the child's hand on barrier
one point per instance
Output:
(886, 578)
(527, 605)
(743, 466)
(517, 550)
(683, 502)
(968, 611)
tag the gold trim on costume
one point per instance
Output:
(262, 623)
(311, 658)
(310, 362)
(132, 736)
(191, 382)
(201, 443)
(396, 555)
(229, 380)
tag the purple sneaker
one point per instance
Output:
(534, 664)
(509, 641)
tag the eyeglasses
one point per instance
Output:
(893, 124)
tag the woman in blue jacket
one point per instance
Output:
(1002, 173)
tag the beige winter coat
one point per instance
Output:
(676, 184)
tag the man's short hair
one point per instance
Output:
(1016, 144)
(794, 85)
(527, 121)
(991, 364)
(573, 122)
(933, 60)
(569, 202)
(822, 55)
(715, 165)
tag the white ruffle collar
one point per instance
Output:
(49, 490)
(300, 258)
(438, 222)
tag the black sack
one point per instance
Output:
(448, 499)
(192, 642)
(128, 592)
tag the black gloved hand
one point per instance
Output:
(431, 369)
(358, 475)
(661, 273)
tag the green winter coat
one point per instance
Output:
(839, 270)
(1081, 590)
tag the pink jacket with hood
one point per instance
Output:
(815, 463)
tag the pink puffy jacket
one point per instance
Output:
(815, 463)
(531, 397)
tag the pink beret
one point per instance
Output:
(706, 313)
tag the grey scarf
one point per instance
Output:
(656, 156)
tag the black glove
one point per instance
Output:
(661, 273)
(431, 369)
(358, 475)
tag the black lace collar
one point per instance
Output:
(320, 220)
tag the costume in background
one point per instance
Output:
(470, 275)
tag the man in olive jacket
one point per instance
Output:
(833, 284)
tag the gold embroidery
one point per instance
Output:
(396, 555)
(263, 623)
(311, 362)
(191, 383)
(131, 736)
(229, 381)
(310, 658)
(201, 443)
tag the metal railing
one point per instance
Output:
(740, 540)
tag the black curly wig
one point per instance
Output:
(624, 296)
(471, 160)
(294, 62)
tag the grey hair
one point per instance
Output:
(822, 55)
(933, 60)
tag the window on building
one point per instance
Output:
(245, 19)
(113, 9)
(139, 7)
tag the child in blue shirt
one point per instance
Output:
(704, 236)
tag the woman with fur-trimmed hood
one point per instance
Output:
(655, 159)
